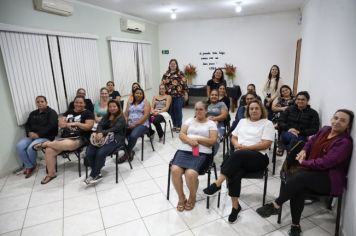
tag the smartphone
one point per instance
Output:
(195, 151)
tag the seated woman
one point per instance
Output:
(251, 140)
(215, 82)
(113, 94)
(198, 135)
(217, 112)
(101, 106)
(134, 86)
(41, 125)
(298, 121)
(88, 103)
(281, 103)
(323, 163)
(240, 114)
(159, 110)
(223, 96)
(136, 114)
(76, 125)
(113, 122)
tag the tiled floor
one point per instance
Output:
(137, 205)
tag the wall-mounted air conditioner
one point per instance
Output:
(59, 7)
(132, 26)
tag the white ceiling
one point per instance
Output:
(159, 10)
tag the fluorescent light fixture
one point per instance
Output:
(173, 14)
(238, 7)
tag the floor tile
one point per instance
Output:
(98, 233)
(84, 223)
(218, 227)
(12, 221)
(135, 227)
(158, 170)
(152, 204)
(80, 204)
(324, 220)
(199, 215)
(252, 195)
(119, 213)
(52, 228)
(169, 219)
(76, 190)
(248, 221)
(14, 203)
(135, 176)
(46, 196)
(12, 233)
(41, 214)
(114, 195)
(142, 189)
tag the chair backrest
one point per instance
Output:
(208, 162)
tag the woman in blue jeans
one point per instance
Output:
(176, 85)
(41, 125)
(137, 114)
(112, 122)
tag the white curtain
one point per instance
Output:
(144, 56)
(28, 67)
(80, 66)
(124, 65)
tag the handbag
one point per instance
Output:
(291, 165)
(70, 133)
(108, 138)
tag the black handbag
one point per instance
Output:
(291, 165)
(70, 133)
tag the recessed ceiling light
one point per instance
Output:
(173, 14)
(238, 7)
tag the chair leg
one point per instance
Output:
(280, 207)
(338, 215)
(79, 164)
(143, 136)
(151, 141)
(164, 133)
(274, 154)
(127, 153)
(216, 177)
(265, 187)
(208, 198)
(86, 172)
(170, 125)
(169, 181)
(116, 166)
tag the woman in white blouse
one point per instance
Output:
(251, 139)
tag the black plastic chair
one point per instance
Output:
(116, 153)
(142, 143)
(206, 169)
(165, 128)
(338, 212)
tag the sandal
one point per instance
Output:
(181, 205)
(47, 179)
(39, 146)
(189, 205)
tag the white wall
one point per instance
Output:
(328, 72)
(252, 43)
(85, 19)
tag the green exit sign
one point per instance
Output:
(165, 51)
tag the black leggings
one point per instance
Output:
(157, 123)
(298, 186)
(240, 163)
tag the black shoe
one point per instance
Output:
(294, 230)
(233, 215)
(212, 189)
(267, 210)
(122, 159)
(132, 154)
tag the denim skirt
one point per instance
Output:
(186, 160)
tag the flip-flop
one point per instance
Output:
(189, 205)
(181, 205)
(38, 146)
(48, 179)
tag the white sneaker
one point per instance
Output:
(88, 181)
(96, 179)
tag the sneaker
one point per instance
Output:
(88, 180)
(233, 215)
(267, 210)
(96, 179)
(19, 171)
(294, 230)
(212, 189)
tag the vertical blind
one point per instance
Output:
(131, 62)
(49, 65)
(124, 65)
(28, 68)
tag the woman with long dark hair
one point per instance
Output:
(113, 122)
(271, 88)
(176, 85)
(216, 80)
